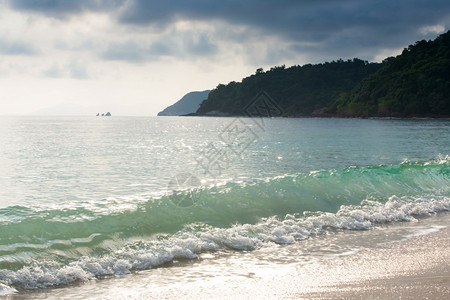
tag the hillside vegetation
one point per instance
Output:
(413, 84)
(298, 90)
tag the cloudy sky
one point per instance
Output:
(135, 57)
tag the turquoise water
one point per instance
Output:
(86, 197)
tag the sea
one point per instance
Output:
(88, 204)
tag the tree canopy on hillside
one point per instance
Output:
(298, 90)
(413, 84)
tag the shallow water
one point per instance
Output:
(224, 275)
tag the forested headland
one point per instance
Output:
(415, 83)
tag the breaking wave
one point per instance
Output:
(43, 247)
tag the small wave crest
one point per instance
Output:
(198, 238)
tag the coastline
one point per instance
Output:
(417, 268)
(312, 117)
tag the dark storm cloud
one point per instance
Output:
(313, 20)
(321, 20)
(346, 28)
(330, 29)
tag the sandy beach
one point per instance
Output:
(418, 268)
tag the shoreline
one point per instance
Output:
(313, 117)
(418, 268)
(415, 267)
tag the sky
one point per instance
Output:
(135, 57)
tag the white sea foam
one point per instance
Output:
(189, 244)
(6, 290)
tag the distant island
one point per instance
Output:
(186, 105)
(108, 114)
(415, 83)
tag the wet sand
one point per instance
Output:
(418, 268)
